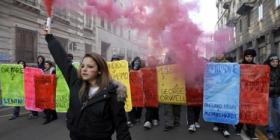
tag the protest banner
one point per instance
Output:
(221, 93)
(136, 86)
(45, 91)
(254, 94)
(62, 92)
(119, 71)
(11, 77)
(194, 95)
(29, 87)
(150, 87)
(171, 85)
(0, 93)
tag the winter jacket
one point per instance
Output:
(245, 62)
(95, 118)
(274, 83)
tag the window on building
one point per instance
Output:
(114, 29)
(240, 52)
(109, 26)
(104, 49)
(129, 55)
(249, 19)
(25, 45)
(102, 22)
(93, 20)
(122, 52)
(240, 25)
(121, 31)
(277, 3)
(262, 54)
(88, 48)
(61, 12)
(260, 11)
(88, 21)
(129, 34)
(234, 34)
(73, 46)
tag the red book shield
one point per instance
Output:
(136, 86)
(194, 96)
(45, 91)
(150, 87)
(254, 94)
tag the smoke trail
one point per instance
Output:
(167, 25)
(48, 5)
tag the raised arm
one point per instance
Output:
(61, 59)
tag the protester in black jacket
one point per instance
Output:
(274, 96)
(249, 56)
(96, 107)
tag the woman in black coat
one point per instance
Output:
(96, 106)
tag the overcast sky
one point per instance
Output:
(207, 16)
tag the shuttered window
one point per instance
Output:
(25, 45)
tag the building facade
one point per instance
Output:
(21, 22)
(256, 25)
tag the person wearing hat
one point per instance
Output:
(116, 57)
(274, 96)
(248, 58)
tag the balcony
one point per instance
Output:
(61, 15)
(245, 6)
(226, 4)
(30, 5)
(232, 20)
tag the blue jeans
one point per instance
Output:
(274, 121)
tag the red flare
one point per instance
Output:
(48, 5)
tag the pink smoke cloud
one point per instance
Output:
(166, 23)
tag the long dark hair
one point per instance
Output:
(103, 78)
(41, 65)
